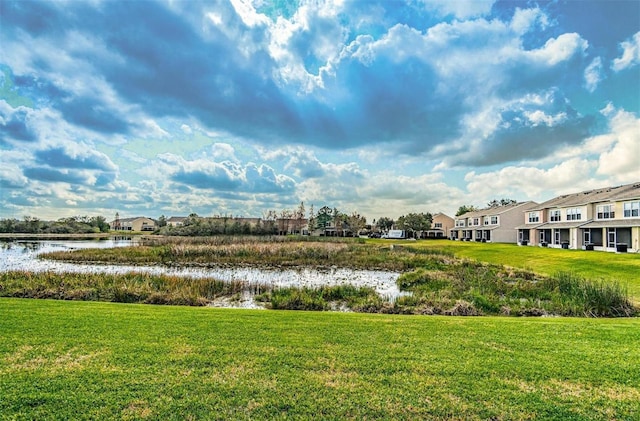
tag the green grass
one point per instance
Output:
(79, 360)
(621, 267)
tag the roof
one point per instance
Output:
(605, 194)
(496, 210)
(612, 223)
(528, 226)
(562, 225)
(131, 219)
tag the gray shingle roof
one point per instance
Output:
(496, 210)
(605, 194)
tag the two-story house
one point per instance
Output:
(139, 223)
(441, 226)
(495, 224)
(599, 219)
(176, 221)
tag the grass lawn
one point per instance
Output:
(620, 267)
(91, 360)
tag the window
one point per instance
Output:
(534, 217)
(486, 220)
(574, 214)
(476, 221)
(631, 209)
(494, 220)
(460, 223)
(605, 212)
(437, 225)
(554, 216)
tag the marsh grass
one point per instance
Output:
(493, 289)
(270, 251)
(126, 288)
(337, 297)
(438, 282)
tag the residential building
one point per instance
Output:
(176, 221)
(441, 226)
(495, 224)
(139, 223)
(287, 226)
(599, 219)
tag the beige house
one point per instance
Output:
(176, 221)
(495, 224)
(600, 219)
(441, 226)
(139, 223)
(287, 226)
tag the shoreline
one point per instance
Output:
(53, 236)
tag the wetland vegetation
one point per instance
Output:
(433, 280)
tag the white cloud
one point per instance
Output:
(524, 19)
(461, 9)
(593, 74)
(530, 182)
(247, 13)
(621, 160)
(559, 49)
(630, 54)
(223, 151)
(540, 117)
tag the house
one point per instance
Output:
(176, 221)
(495, 224)
(287, 226)
(600, 219)
(441, 226)
(139, 223)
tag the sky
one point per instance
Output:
(237, 107)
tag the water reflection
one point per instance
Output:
(22, 255)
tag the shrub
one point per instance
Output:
(463, 308)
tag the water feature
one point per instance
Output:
(23, 255)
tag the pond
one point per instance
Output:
(23, 255)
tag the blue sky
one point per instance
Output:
(378, 107)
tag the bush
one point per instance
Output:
(580, 297)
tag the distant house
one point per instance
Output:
(600, 219)
(139, 223)
(441, 226)
(176, 221)
(288, 226)
(495, 224)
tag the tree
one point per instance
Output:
(312, 220)
(324, 217)
(415, 222)
(337, 221)
(162, 221)
(465, 208)
(285, 219)
(502, 202)
(33, 224)
(384, 223)
(298, 216)
(356, 223)
(100, 222)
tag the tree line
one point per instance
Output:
(326, 221)
(71, 225)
